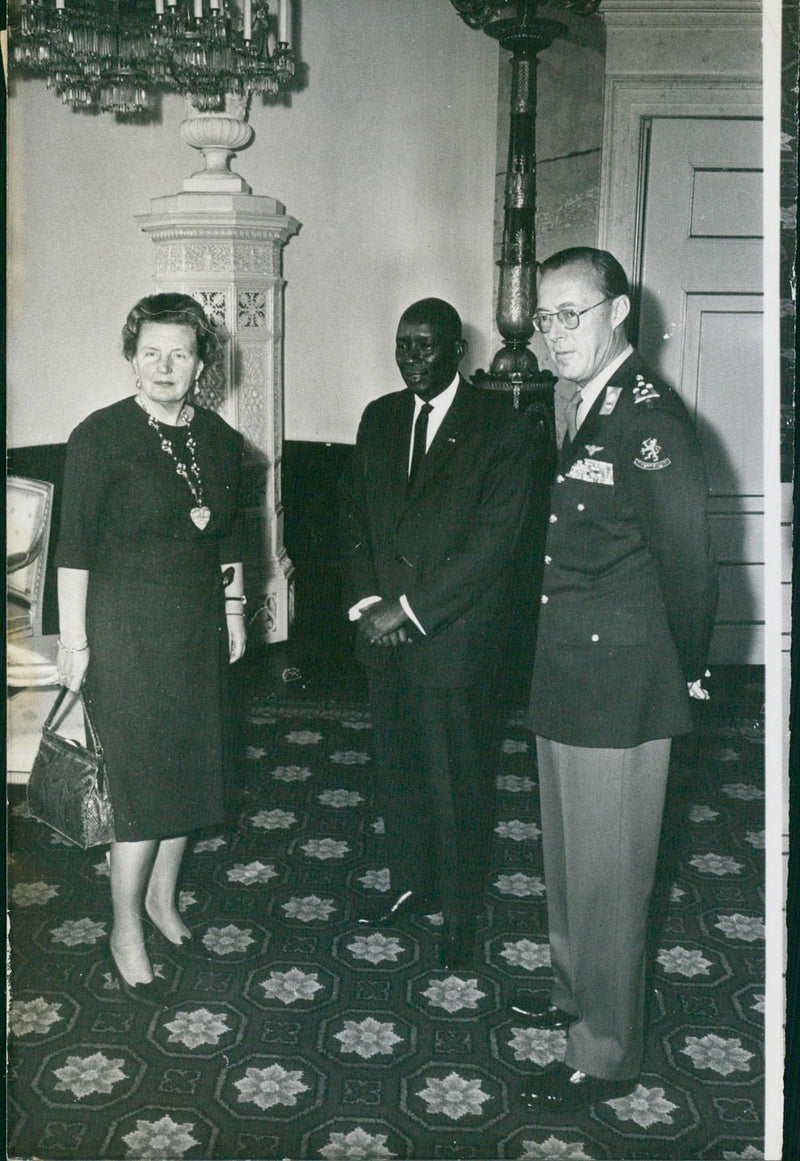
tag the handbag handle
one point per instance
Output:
(91, 731)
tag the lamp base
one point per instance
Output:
(523, 391)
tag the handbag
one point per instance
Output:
(68, 788)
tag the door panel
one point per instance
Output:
(700, 324)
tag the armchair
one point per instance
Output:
(31, 675)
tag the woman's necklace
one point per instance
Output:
(200, 514)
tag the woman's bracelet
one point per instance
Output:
(241, 600)
(70, 649)
(233, 613)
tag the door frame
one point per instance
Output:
(631, 105)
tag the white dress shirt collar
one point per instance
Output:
(441, 405)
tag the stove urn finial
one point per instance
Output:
(218, 136)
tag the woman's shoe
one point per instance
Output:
(154, 993)
(186, 944)
(193, 946)
(164, 938)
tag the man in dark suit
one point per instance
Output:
(432, 505)
(628, 605)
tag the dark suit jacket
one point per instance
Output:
(630, 584)
(448, 542)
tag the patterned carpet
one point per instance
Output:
(294, 1033)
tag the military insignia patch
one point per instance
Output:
(644, 391)
(649, 458)
(592, 471)
(610, 401)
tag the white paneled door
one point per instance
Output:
(700, 325)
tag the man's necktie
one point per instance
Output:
(420, 442)
(571, 415)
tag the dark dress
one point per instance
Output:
(158, 674)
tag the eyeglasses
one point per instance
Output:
(569, 319)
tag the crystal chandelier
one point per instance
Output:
(113, 55)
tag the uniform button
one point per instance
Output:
(559, 479)
(553, 518)
(595, 636)
(581, 507)
(544, 599)
(548, 560)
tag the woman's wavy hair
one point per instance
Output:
(176, 310)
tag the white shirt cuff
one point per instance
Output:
(358, 608)
(409, 612)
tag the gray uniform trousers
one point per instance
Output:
(601, 824)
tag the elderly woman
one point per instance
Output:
(151, 608)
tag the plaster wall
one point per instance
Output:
(386, 157)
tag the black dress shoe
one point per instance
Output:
(537, 1010)
(404, 905)
(456, 947)
(560, 1087)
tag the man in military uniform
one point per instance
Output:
(627, 611)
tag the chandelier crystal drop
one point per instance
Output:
(113, 55)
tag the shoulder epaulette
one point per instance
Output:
(644, 391)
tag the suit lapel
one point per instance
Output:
(400, 444)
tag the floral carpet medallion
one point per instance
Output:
(293, 1031)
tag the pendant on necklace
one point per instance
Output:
(200, 516)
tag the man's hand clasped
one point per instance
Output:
(383, 623)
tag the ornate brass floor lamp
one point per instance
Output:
(524, 31)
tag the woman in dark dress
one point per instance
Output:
(151, 608)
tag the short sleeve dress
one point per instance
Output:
(158, 673)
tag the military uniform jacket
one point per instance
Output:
(630, 584)
(446, 543)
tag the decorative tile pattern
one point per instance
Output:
(217, 258)
(214, 303)
(252, 396)
(212, 390)
(251, 309)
